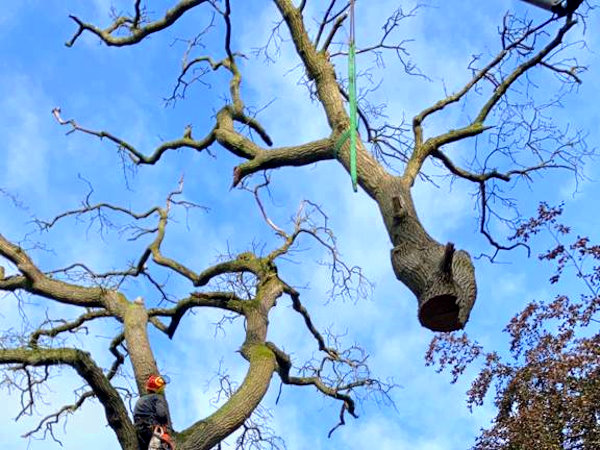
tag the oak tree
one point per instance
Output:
(513, 139)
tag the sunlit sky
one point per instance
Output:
(121, 90)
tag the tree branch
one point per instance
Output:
(116, 413)
(294, 156)
(501, 90)
(36, 282)
(136, 33)
(424, 149)
(49, 421)
(136, 156)
(327, 19)
(221, 300)
(298, 307)
(284, 365)
(205, 434)
(485, 176)
(67, 326)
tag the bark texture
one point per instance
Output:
(442, 280)
(445, 297)
(207, 433)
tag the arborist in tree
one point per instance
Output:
(151, 416)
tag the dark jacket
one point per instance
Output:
(151, 409)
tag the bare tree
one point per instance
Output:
(250, 287)
(513, 140)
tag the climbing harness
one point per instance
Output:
(161, 440)
(352, 106)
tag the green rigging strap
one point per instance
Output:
(353, 110)
(340, 142)
(352, 132)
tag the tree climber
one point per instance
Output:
(151, 415)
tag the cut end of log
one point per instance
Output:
(441, 313)
(442, 279)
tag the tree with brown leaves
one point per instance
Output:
(547, 389)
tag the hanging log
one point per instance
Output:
(442, 279)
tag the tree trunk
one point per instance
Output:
(135, 321)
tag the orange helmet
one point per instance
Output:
(155, 383)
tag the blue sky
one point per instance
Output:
(122, 90)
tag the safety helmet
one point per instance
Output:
(155, 383)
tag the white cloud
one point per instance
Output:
(24, 159)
